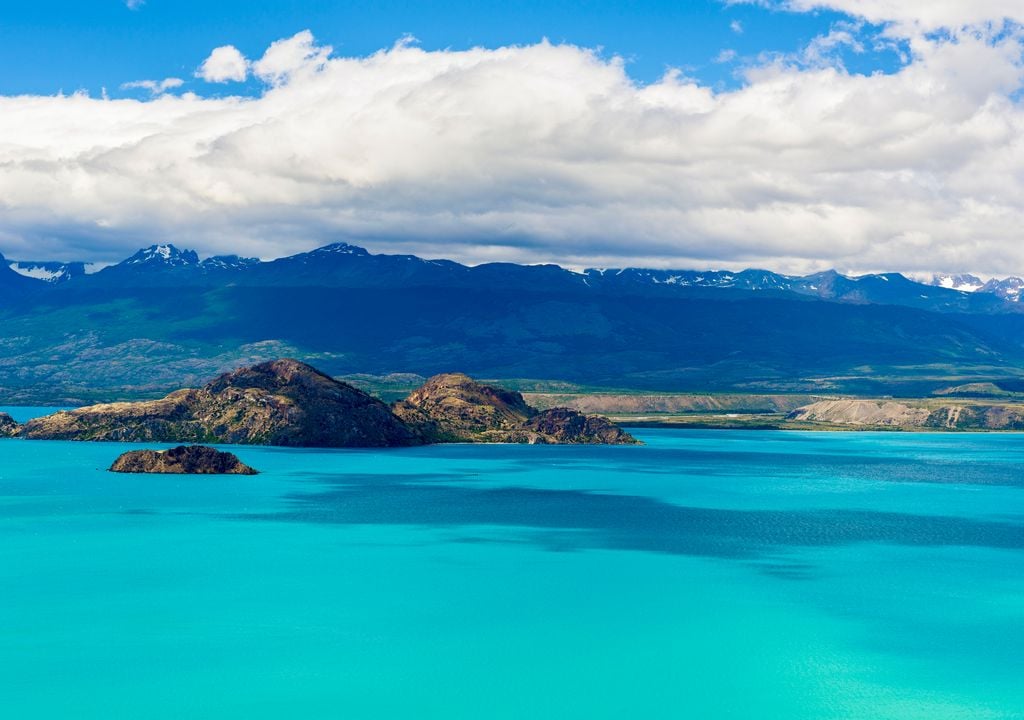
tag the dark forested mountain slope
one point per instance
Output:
(169, 319)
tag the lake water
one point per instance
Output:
(707, 574)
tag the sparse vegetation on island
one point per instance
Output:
(289, 403)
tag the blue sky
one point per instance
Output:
(794, 135)
(69, 45)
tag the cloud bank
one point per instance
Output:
(547, 153)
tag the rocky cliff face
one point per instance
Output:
(283, 402)
(8, 428)
(182, 460)
(922, 415)
(455, 408)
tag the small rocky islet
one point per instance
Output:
(182, 460)
(291, 404)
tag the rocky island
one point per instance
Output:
(455, 408)
(289, 403)
(182, 460)
(284, 403)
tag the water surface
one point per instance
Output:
(707, 574)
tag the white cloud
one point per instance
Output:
(287, 57)
(155, 87)
(542, 153)
(225, 64)
(736, 26)
(725, 56)
(134, 4)
(912, 16)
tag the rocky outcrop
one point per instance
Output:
(455, 408)
(182, 460)
(284, 402)
(8, 427)
(565, 426)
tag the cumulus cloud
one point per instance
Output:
(542, 153)
(224, 64)
(287, 57)
(155, 87)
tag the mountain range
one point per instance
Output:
(164, 318)
(341, 264)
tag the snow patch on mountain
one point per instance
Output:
(962, 282)
(48, 271)
(227, 262)
(38, 272)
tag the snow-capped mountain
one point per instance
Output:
(169, 266)
(162, 256)
(1009, 289)
(872, 289)
(348, 266)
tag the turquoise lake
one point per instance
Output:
(707, 574)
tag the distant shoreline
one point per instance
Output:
(687, 424)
